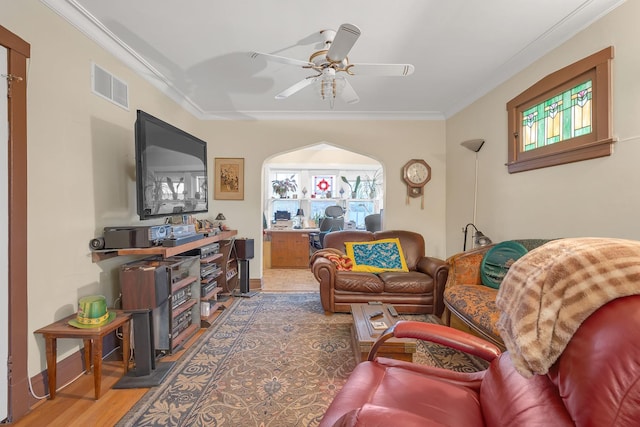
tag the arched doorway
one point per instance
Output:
(298, 186)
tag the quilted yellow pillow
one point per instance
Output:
(376, 256)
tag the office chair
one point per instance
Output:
(373, 222)
(333, 221)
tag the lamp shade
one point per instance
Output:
(300, 212)
(473, 144)
(481, 240)
(220, 217)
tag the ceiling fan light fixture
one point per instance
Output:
(329, 87)
(333, 59)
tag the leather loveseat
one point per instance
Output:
(418, 290)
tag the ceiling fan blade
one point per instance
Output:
(381, 69)
(343, 42)
(296, 87)
(348, 94)
(281, 59)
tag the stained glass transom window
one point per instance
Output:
(564, 116)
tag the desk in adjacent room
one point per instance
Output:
(290, 248)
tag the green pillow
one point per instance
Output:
(497, 260)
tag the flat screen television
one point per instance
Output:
(171, 169)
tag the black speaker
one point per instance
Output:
(97, 243)
(244, 248)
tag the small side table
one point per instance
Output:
(92, 338)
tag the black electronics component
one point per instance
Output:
(181, 240)
(205, 289)
(96, 244)
(244, 248)
(392, 311)
(376, 315)
(144, 236)
(171, 169)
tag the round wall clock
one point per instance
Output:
(416, 173)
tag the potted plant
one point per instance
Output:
(316, 218)
(282, 186)
(371, 185)
(354, 188)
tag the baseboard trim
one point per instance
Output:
(255, 284)
(67, 370)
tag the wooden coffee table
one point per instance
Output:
(363, 335)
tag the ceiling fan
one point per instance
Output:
(331, 60)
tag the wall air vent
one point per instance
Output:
(106, 85)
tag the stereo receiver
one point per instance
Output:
(143, 236)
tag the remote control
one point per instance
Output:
(392, 311)
(376, 315)
(375, 302)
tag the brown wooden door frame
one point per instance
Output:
(17, 53)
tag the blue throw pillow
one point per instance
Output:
(377, 256)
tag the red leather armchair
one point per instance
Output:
(595, 382)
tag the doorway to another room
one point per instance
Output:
(307, 193)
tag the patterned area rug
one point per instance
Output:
(270, 360)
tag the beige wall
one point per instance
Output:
(81, 166)
(591, 198)
(322, 155)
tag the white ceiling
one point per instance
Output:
(197, 51)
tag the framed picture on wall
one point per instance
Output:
(228, 178)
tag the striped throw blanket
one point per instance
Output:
(340, 260)
(550, 291)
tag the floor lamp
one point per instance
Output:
(474, 145)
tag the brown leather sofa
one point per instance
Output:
(595, 381)
(417, 291)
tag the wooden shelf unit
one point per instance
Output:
(153, 283)
(170, 289)
(163, 251)
(212, 259)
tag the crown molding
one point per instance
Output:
(324, 115)
(90, 26)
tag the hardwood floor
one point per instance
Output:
(288, 280)
(74, 405)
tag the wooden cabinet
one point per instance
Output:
(170, 288)
(289, 249)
